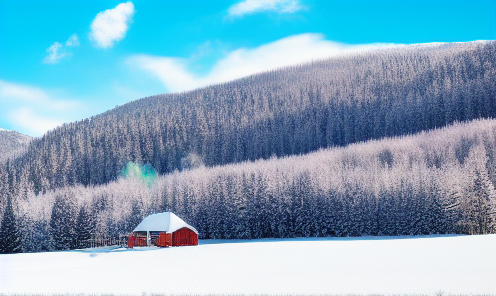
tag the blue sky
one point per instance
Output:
(62, 61)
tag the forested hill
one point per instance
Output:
(12, 143)
(294, 110)
(437, 182)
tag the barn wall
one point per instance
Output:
(184, 237)
(135, 241)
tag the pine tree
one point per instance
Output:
(62, 225)
(480, 211)
(135, 217)
(10, 236)
(84, 228)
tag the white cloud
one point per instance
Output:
(111, 25)
(171, 71)
(32, 110)
(19, 92)
(253, 6)
(57, 51)
(174, 73)
(73, 40)
(26, 119)
(55, 54)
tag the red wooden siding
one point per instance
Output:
(184, 237)
(181, 237)
(137, 239)
(164, 239)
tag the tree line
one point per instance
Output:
(436, 182)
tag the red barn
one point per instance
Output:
(163, 230)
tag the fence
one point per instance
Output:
(102, 242)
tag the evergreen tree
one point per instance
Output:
(62, 231)
(480, 210)
(84, 228)
(135, 217)
(10, 236)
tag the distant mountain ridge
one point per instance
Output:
(289, 111)
(12, 143)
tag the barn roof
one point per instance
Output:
(167, 222)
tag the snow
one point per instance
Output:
(385, 265)
(167, 222)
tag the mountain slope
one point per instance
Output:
(12, 143)
(440, 181)
(290, 111)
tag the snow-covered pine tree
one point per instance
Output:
(244, 199)
(62, 224)
(10, 236)
(135, 216)
(480, 210)
(84, 228)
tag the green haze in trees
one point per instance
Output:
(191, 161)
(145, 173)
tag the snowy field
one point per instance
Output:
(384, 265)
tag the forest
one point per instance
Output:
(392, 142)
(438, 182)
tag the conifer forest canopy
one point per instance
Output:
(390, 142)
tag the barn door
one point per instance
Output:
(175, 235)
(184, 238)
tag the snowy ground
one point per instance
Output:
(404, 265)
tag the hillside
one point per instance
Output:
(441, 181)
(290, 111)
(12, 143)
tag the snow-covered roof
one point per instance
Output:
(167, 222)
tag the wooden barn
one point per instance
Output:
(163, 230)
